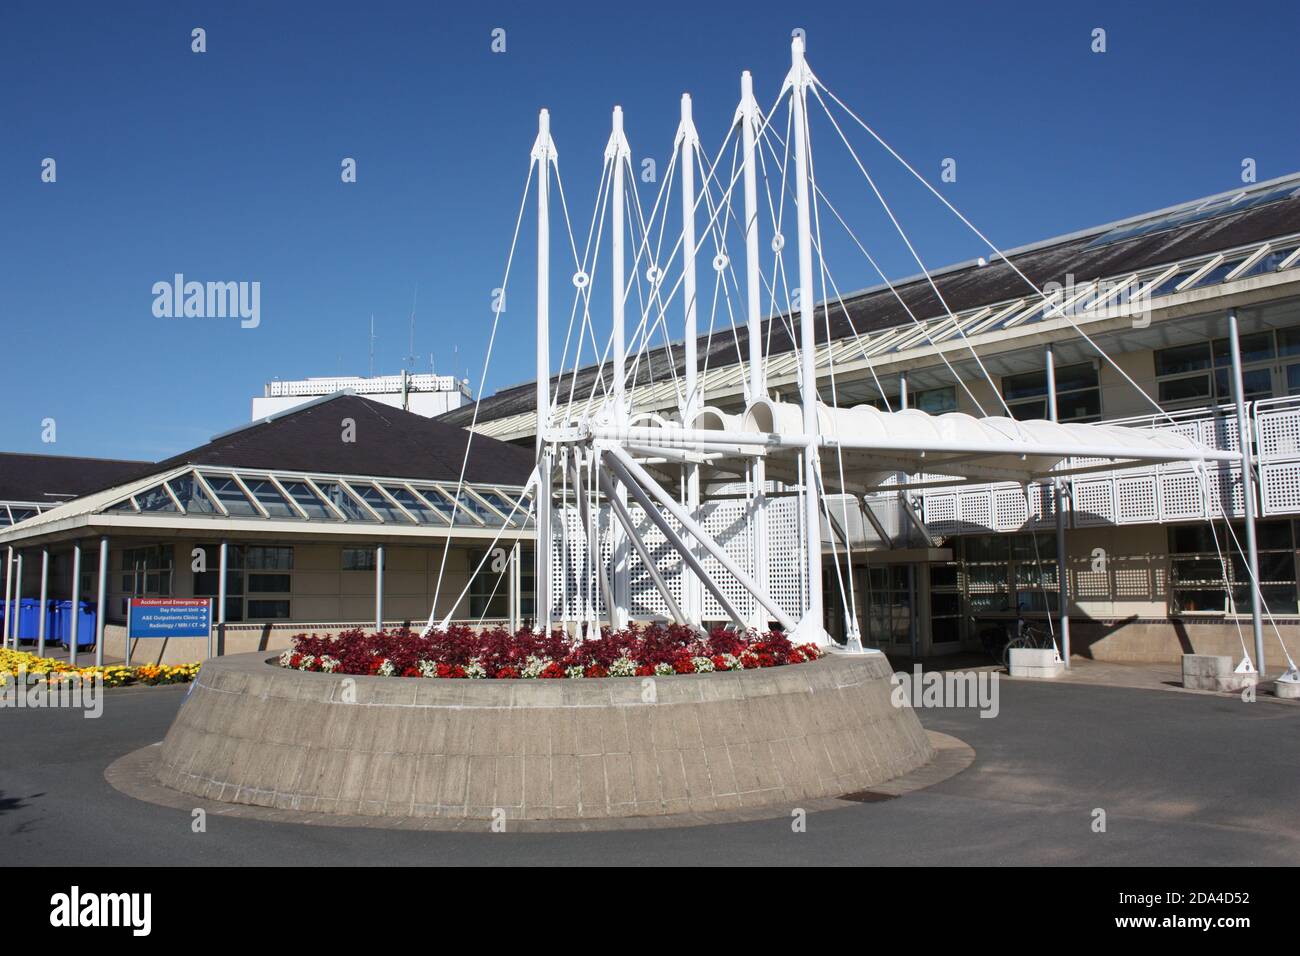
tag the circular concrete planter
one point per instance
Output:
(255, 733)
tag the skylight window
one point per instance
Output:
(307, 500)
(231, 496)
(270, 498)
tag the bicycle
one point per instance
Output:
(1028, 636)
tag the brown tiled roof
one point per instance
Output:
(389, 442)
(58, 478)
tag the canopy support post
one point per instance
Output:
(1058, 500)
(543, 155)
(1247, 491)
(748, 116)
(811, 628)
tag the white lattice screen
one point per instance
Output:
(573, 590)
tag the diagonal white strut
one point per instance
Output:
(644, 480)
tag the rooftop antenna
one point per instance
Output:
(372, 345)
(411, 357)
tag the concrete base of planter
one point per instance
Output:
(1035, 662)
(254, 733)
(1214, 672)
(1286, 689)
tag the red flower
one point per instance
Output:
(684, 665)
(596, 670)
(645, 670)
(719, 662)
(296, 661)
(507, 673)
(411, 672)
(552, 671)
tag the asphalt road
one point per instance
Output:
(1184, 780)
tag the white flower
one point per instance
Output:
(574, 671)
(306, 662)
(329, 664)
(475, 669)
(532, 667)
(623, 667)
(386, 669)
(732, 662)
(286, 657)
(702, 665)
(427, 668)
(664, 670)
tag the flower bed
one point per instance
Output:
(14, 663)
(463, 652)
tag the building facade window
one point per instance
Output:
(489, 590)
(1009, 574)
(935, 401)
(1208, 575)
(1200, 373)
(1078, 394)
(207, 583)
(358, 559)
(945, 603)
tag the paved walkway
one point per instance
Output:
(1144, 676)
(1183, 778)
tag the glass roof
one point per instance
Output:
(259, 495)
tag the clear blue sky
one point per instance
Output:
(225, 165)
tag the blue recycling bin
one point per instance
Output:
(61, 623)
(29, 619)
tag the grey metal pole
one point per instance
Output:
(1058, 501)
(221, 600)
(18, 598)
(73, 629)
(12, 622)
(512, 589)
(45, 596)
(9, 587)
(101, 601)
(379, 587)
(1247, 491)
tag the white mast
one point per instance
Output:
(748, 117)
(618, 152)
(543, 155)
(810, 627)
(688, 140)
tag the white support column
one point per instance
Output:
(903, 398)
(45, 596)
(1058, 501)
(1247, 491)
(379, 587)
(810, 627)
(747, 114)
(76, 604)
(688, 140)
(17, 601)
(619, 153)
(9, 588)
(220, 633)
(512, 588)
(101, 601)
(543, 155)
